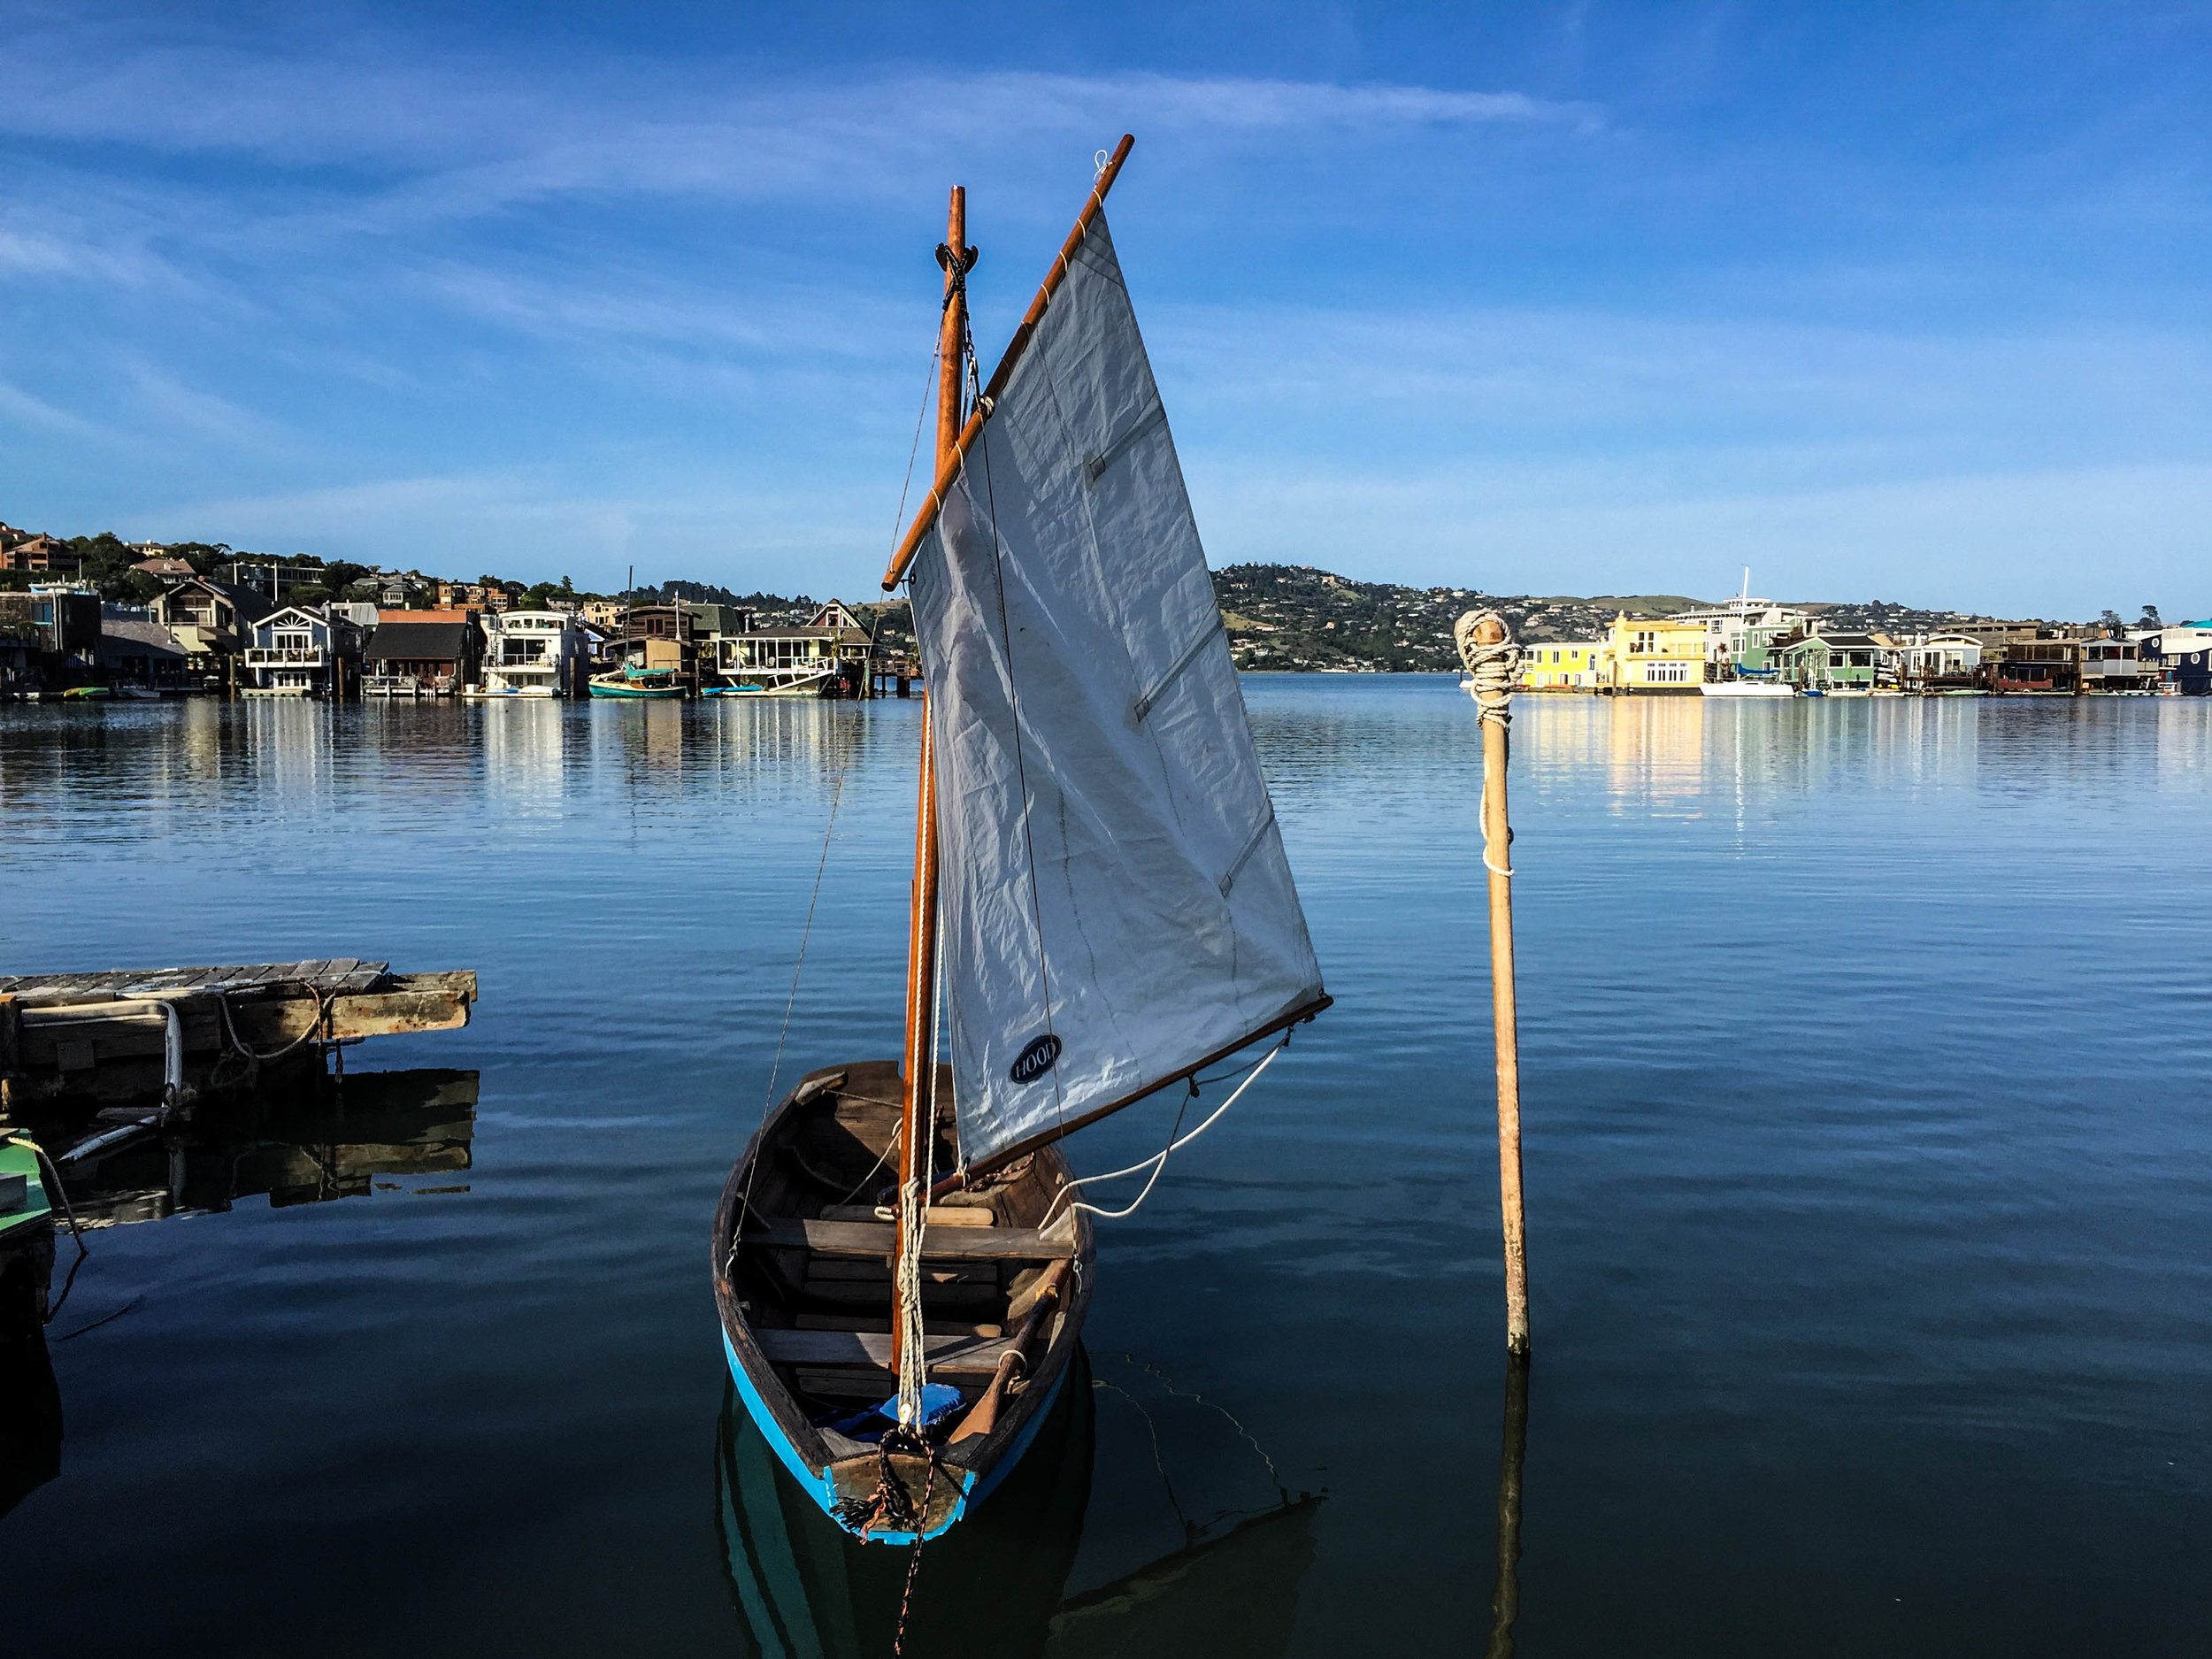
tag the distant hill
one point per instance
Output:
(1296, 616)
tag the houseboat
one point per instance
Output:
(300, 651)
(829, 657)
(421, 659)
(531, 654)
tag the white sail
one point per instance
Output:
(1116, 905)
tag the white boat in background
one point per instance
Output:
(777, 682)
(1748, 688)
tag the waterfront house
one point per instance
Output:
(2174, 658)
(1828, 662)
(831, 653)
(603, 614)
(2188, 654)
(2042, 664)
(1935, 662)
(167, 567)
(50, 639)
(135, 651)
(1647, 655)
(2118, 664)
(1561, 665)
(422, 658)
(210, 620)
(659, 637)
(540, 653)
(1740, 631)
(300, 651)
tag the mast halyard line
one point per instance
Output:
(921, 961)
(949, 461)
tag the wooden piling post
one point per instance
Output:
(1487, 649)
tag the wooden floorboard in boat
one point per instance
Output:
(948, 1355)
(880, 1239)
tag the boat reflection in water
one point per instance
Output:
(30, 1402)
(329, 1141)
(804, 1589)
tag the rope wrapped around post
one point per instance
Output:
(1486, 647)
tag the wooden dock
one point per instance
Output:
(170, 1036)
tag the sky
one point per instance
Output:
(1897, 302)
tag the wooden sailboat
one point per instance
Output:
(1100, 910)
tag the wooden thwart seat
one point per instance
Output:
(949, 1356)
(880, 1239)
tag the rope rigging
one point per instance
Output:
(1157, 1162)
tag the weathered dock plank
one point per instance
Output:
(103, 1035)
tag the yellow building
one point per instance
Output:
(1561, 665)
(1650, 654)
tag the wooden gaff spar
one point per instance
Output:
(1101, 908)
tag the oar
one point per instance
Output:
(1493, 660)
(983, 1416)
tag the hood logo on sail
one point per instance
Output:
(1037, 1059)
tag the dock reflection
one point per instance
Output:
(994, 1583)
(328, 1139)
(331, 1140)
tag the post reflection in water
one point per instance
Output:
(994, 1585)
(1505, 1601)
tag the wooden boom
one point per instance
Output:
(950, 461)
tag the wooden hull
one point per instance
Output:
(805, 1300)
(803, 1584)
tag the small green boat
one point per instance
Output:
(87, 694)
(26, 1232)
(23, 1200)
(637, 682)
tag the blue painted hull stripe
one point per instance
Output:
(816, 1481)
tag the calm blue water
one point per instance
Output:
(1869, 1091)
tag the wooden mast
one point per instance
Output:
(915, 1121)
(950, 454)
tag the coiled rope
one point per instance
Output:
(1495, 669)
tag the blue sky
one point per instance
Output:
(1905, 301)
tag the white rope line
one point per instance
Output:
(1157, 1162)
(1495, 669)
(914, 1202)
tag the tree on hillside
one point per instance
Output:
(2150, 617)
(2111, 624)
